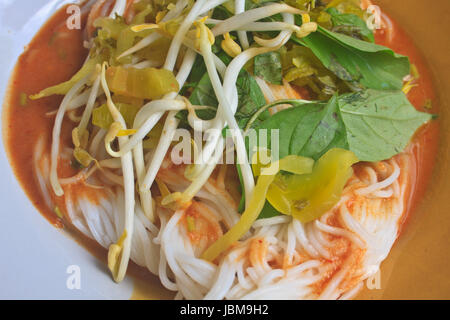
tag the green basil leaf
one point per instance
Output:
(325, 132)
(374, 124)
(198, 70)
(250, 98)
(241, 207)
(379, 124)
(221, 13)
(268, 67)
(350, 24)
(309, 130)
(356, 61)
(268, 211)
(203, 95)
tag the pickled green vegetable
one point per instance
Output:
(101, 117)
(64, 87)
(148, 83)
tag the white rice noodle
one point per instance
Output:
(240, 276)
(376, 187)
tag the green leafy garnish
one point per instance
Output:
(307, 129)
(268, 67)
(379, 124)
(350, 24)
(360, 63)
(375, 125)
(268, 211)
(250, 96)
(302, 68)
(348, 7)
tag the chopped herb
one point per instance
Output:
(75, 164)
(358, 62)
(268, 67)
(62, 54)
(53, 37)
(82, 157)
(58, 212)
(190, 223)
(350, 24)
(23, 99)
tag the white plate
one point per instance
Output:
(34, 256)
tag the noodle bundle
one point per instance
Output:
(135, 200)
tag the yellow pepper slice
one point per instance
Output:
(307, 197)
(300, 165)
